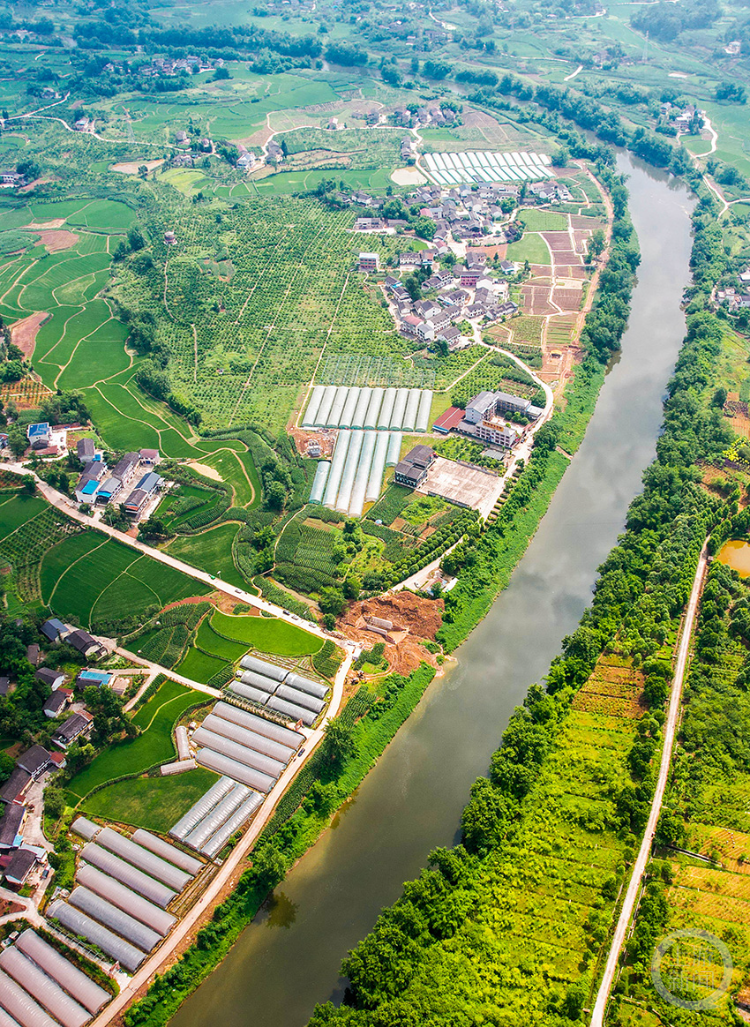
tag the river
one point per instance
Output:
(288, 959)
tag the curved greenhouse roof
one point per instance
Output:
(144, 860)
(115, 919)
(125, 899)
(264, 727)
(200, 808)
(270, 670)
(43, 989)
(189, 864)
(128, 875)
(237, 771)
(55, 965)
(79, 923)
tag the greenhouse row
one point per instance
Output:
(460, 168)
(280, 690)
(342, 406)
(39, 987)
(216, 816)
(234, 747)
(122, 890)
(355, 474)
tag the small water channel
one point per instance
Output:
(289, 958)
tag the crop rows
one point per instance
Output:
(167, 646)
(24, 549)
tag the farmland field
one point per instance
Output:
(156, 720)
(531, 247)
(266, 634)
(210, 551)
(199, 666)
(96, 580)
(154, 803)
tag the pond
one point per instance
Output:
(736, 554)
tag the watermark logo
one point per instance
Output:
(692, 969)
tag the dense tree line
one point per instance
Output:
(665, 21)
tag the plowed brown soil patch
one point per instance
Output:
(580, 222)
(536, 299)
(44, 226)
(421, 619)
(57, 240)
(23, 333)
(567, 299)
(557, 240)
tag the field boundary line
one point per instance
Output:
(70, 565)
(43, 360)
(67, 364)
(109, 585)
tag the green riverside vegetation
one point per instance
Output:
(441, 954)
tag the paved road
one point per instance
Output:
(233, 865)
(156, 668)
(597, 1017)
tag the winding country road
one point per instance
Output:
(597, 1017)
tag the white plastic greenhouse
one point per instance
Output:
(126, 899)
(337, 469)
(284, 735)
(222, 764)
(357, 502)
(55, 965)
(360, 413)
(128, 875)
(377, 468)
(386, 410)
(115, 919)
(350, 469)
(326, 403)
(79, 923)
(313, 405)
(394, 449)
(423, 415)
(319, 483)
(399, 408)
(199, 809)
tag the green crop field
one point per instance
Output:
(266, 634)
(156, 720)
(543, 221)
(17, 510)
(154, 803)
(531, 247)
(210, 551)
(96, 580)
(216, 645)
(198, 666)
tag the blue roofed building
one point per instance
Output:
(97, 678)
(39, 435)
(54, 630)
(86, 490)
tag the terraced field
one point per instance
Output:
(96, 580)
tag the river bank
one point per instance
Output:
(412, 800)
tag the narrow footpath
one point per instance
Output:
(670, 725)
